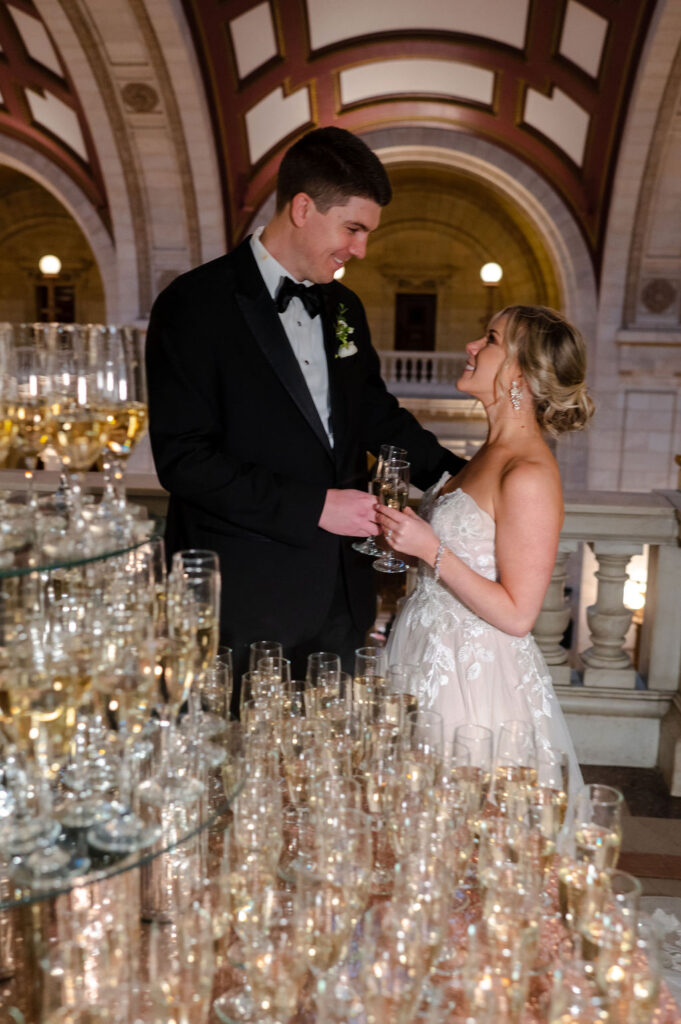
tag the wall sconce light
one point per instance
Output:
(340, 274)
(49, 266)
(490, 275)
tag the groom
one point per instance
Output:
(265, 396)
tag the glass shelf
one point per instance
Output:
(104, 866)
(22, 559)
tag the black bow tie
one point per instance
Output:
(309, 295)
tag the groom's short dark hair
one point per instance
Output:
(332, 165)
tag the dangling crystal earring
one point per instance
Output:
(516, 393)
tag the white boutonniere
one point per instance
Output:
(346, 346)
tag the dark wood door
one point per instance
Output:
(415, 322)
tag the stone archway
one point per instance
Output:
(28, 161)
(502, 171)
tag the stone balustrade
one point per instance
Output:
(618, 712)
(422, 373)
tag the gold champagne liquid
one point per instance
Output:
(395, 495)
(542, 850)
(79, 436)
(40, 713)
(582, 890)
(549, 808)
(597, 845)
(172, 675)
(348, 750)
(512, 782)
(206, 638)
(8, 429)
(379, 792)
(365, 691)
(393, 708)
(300, 779)
(127, 699)
(125, 425)
(34, 426)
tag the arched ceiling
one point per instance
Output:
(548, 81)
(39, 104)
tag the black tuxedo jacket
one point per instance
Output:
(240, 446)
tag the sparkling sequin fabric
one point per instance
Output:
(471, 671)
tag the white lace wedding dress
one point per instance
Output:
(472, 671)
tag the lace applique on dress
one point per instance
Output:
(454, 634)
(471, 671)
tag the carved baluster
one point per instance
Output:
(607, 664)
(554, 617)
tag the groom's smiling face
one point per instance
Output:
(326, 241)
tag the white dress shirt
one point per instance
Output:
(305, 334)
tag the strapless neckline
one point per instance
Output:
(459, 490)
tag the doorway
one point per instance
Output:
(415, 321)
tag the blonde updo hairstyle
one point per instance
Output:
(552, 356)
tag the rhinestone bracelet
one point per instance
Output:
(438, 559)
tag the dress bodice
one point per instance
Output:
(471, 671)
(466, 529)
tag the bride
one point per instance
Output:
(487, 538)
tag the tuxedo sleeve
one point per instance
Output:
(191, 451)
(385, 421)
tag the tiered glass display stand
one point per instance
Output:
(102, 927)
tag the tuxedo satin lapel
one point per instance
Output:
(262, 318)
(336, 391)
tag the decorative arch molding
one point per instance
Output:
(651, 182)
(30, 162)
(553, 220)
(138, 74)
(75, 35)
(555, 224)
(657, 87)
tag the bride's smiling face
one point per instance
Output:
(481, 377)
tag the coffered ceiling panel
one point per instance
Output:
(548, 80)
(38, 103)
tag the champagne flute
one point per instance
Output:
(629, 976)
(369, 680)
(322, 679)
(598, 826)
(394, 494)
(423, 743)
(173, 661)
(78, 420)
(393, 964)
(124, 401)
(263, 649)
(515, 768)
(401, 694)
(368, 546)
(31, 408)
(8, 424)
(126, 682)
(478, 742)
(193, 613)
(612, 921)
